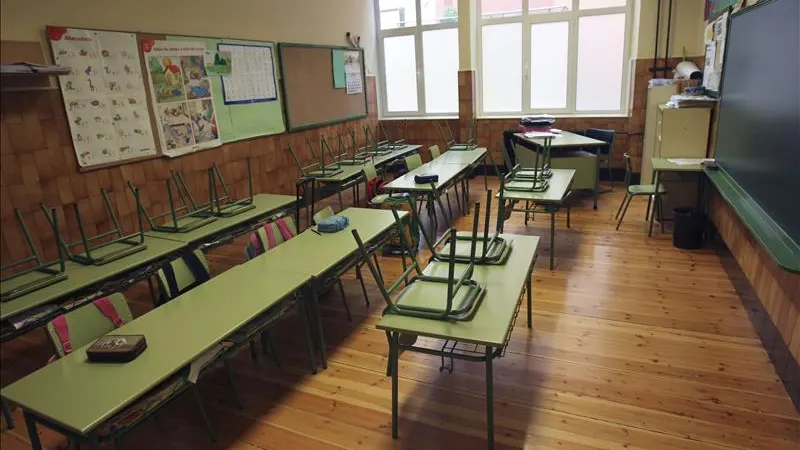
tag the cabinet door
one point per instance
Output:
(684, 133)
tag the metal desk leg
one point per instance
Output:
(395, 367)
(339, 194)
(316, 318)
(33, 434)
(485, 179)
(489, 400)
(94, 441)
(596, 180)
(530, 299)
(305, 318)
(7, 414)
(656, 201)
(313, 197)
(552, 236)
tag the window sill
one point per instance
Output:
(561, 116)
(418, 118)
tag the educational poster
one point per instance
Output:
(182, 96)
(218, 62)
(352, 72)
(104, 95)
(252, 77)
(715, 52)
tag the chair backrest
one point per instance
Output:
(606, 136)
(435, 152)
(183, 274)
(270, 236)
(370, 172)
(413, 161)
(323, 214)
(87, 323)
(628, 168)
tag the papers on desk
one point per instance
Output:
(689, 161)
(540, 134)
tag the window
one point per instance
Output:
(556, 56)
(418, 52)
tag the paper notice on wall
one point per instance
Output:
(353, 83)
(708, 67)
(352, 72)
(253, 76)
(181, 93)
(104, 95)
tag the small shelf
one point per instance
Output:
(32, 70)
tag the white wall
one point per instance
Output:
(311, 21)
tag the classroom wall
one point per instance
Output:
(687, 28)
(37, 160)
(311, 21)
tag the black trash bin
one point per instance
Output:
(689, 227)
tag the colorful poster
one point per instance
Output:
(103, 94)
(182, 93)
(218, 62)
(252, 77)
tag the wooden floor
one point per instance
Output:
(635, 345)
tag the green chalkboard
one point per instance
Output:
(244, 120)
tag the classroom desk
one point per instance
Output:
(661, 165)
(74, 396)
(85, 284)
(564, 145)
(351, 175)
(225, 229)
(450, 169)
(490, 327)
(325, 257)
(552, 199)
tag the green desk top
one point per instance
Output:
(80, 276)
(80, 395)
(492, 322)
(397, 153)
(665, 165)
(564, 139)
(463, 157)
(265, 204)
(560, 185)
(446, 171)
(350, 172)
(314, 254)
(783, 250)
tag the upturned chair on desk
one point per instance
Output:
(633, 190)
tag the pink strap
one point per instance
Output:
(256, 242)
(62, 331)
(107, 309)
(285, 231)
(270, 236)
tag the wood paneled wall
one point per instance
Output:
(630, 130)
(777, 289)
(37, 164)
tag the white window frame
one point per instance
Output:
(416, 31)
(572, 17)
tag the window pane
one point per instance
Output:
(548, 6)
(440, 63)
(439, 11)
(549, 50)
(601, 43)
(398, 13)
(501, 47)
(595, 4)
(400, 60)
(501, 8)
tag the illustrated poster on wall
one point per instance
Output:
(252, 78)
(104, 95)
(352, 72)
(181, 93)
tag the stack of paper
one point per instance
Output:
(690, 101)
